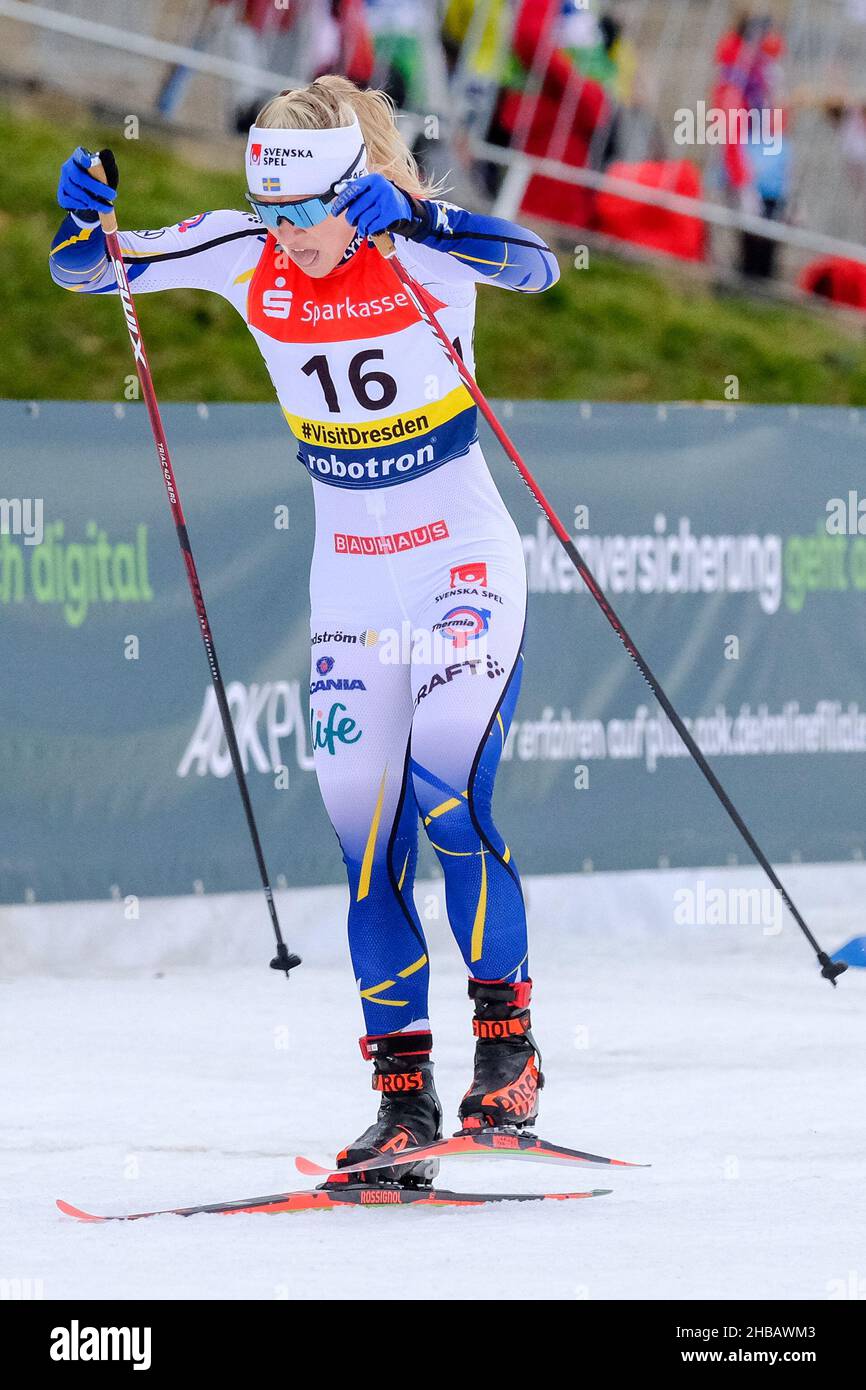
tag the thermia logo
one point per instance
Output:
(77, 1343)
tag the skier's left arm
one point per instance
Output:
(487, 250)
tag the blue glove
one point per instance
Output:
(374, 204)
(79, 191)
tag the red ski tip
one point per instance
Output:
(69, 1210)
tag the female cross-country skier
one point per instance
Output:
(409, 529)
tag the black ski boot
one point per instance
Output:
(504, 1090)
(409, 1113)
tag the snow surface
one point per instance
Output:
(159, 1062)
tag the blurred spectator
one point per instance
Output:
(756, 162)
(476, 38)
(550, 106)
(354, 57)
(492, 36)
(399, 29)
(306, 37)
(409, 64)
(600, 50)
(849, 119)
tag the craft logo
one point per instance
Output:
(463, 625)
(445, 677)
(255, 154)
(324, 665)
(468, 574)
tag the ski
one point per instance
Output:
(350, 1196)
(483, 1144)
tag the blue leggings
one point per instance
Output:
(415, 671)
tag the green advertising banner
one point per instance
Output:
(731, 540)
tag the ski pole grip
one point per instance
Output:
(384, 244)
(107, 220)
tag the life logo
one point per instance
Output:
(326, 731)
(255, 154)
(464, 625)
(277, 303)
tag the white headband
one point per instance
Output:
(303, 162)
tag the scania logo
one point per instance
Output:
(336, 683)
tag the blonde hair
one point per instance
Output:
(331, 102)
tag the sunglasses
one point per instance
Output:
(304, 212)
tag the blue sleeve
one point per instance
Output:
(493, 250)
(78, 259)
(199, 253)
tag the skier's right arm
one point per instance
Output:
(198, 253)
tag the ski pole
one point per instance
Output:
(284, 959)
(384, 243)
